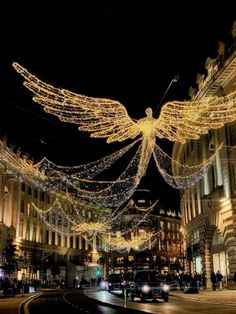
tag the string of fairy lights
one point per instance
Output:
(69, 221)
(84, 171)
(106, 193)
(186, 175)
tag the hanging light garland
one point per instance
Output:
(188, 175)
(105, 118)
(68, 219)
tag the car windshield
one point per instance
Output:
(147, 276)
(115, 278)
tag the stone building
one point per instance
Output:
(209, 208)
(23, 189)
(164, 251)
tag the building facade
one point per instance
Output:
(164, 251)
(39, 246)
(208, 209)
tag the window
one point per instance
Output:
(35, 193)
(71, 242)
(41, 236)
(34, 234)
(28, 232)
(29, 191)
(53, 238)
(59, 240)
(77, 242)
(23, 187)
(47, 237)
(22, 206)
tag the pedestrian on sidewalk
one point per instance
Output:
(213, 281)
(204, 279)
(6, 286)
(14, 287)
(219, 278)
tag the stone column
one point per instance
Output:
(18, 209)
(206, 173)
(206, 261)
(231, 252)
(2, 198)
(9, 213)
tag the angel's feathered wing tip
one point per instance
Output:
(17, 67)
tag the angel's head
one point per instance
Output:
(148, 112)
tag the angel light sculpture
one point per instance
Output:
(178, 121)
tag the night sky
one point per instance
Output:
(123, 50)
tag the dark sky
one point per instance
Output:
(124, 50)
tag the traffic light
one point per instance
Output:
(98, 272)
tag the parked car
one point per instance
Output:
(116, 282)
(148, 284)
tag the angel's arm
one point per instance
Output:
(101, 117)
(180, 121)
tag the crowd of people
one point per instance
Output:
(217, 280)
(190, 283)
(12, 286)
(195, 282)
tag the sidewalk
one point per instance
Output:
(219, 296)
(10, 305)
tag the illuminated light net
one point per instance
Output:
(187, 175)
(179, 121)
(85, 171)
(68, 220)
(106, 193)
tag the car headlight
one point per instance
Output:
(146, 289)
(165, 288)
(103, 284)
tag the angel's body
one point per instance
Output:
(148, 132)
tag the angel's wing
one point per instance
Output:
(180, 121)
(100, 116)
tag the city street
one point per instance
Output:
(93, 301)
(205, 302)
